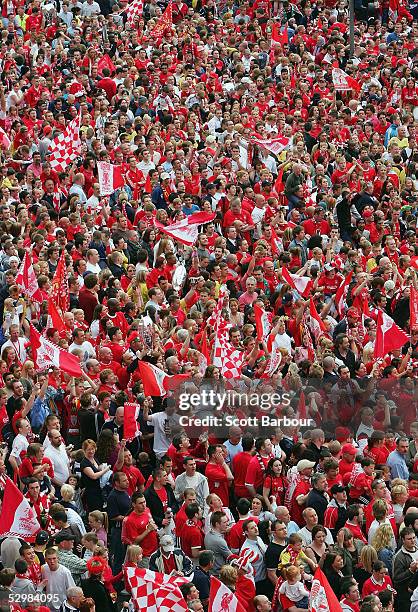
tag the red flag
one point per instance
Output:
(343, 81)
(26, 280)
(17, 518)
(46, 354)
(222, 599)
(5, 141)
(156, 382)
(131, 427)
(59, 289)
(322, 597)
(302, 406)
(342, 292)
(204, 349)
(186, 231)
(278, 37)
(110, 178)
(262, 323)
(147, 184)
(275, 145)
(54, 319)
(317, 325)
(389, 337)
(105, 62)
(413, 309)
(164, 23)
(302, 284)
(279, 185)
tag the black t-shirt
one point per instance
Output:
(118, 504)
(89, 483)
(272, 556)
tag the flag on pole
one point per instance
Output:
(66, 146)
(26, 279)
(343, 81)
(54, 318)
(131, 427)
(156, 382)
(110, 178)
(46, 354)
(222, 599)
(17, 518)
(389, 337)
(156, 592)
(322, 597)
(164, 23)
(262, 323)
(341, 293)
(59, 289)
(413, 309)
(186, 231)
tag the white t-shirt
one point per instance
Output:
(60, 461)
(58, 583)
(19, 446)
(161, 442)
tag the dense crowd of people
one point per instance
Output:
(302, 267)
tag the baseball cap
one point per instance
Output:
(133, 336)
(304, 464)
(166, 543)
(342, 433)
(164, 176)
(328, 267)
(42, 537)
(349, 449)
(337, 488)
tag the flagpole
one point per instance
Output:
(351, 24)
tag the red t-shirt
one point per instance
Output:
(371, 587)
(135, 478)
(302, 488)
(255, 475)
(135, 526)
(218, 481)
(239, 468)
(192, 536)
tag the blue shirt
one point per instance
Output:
(397, 464)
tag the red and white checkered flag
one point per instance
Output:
(156, 592)
(66, 146)
(225, 355)
(134, 10)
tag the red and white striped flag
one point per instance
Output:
(322, 597)
(186, 231)
(110, 178)
(46, 354)
(66, 146)
(131, 427)
(341, 293)
(222, 599)
(26, 280)
(17, 518)
(59, 289)
(156, 592)
(389, 337)
(262, 323)
(343, 81)
(156, 382)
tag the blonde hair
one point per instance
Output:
(67, 492)
(89, 441)
(228, 575)
(368, 556)
(397, 490)
(132, 553)
(100, 517)
(383, 537)
(291, 572)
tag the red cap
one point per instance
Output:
(96, 565)
(349, 449)
(367, 214)
(342, 433)
(353, 312)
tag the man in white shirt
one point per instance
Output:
(20, 443)
(59, 580)
(58, 455)
(162, 423)
(81, 344)
(17, 343)
(311, 519)
(93, 259)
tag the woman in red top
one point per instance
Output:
(275, 484)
